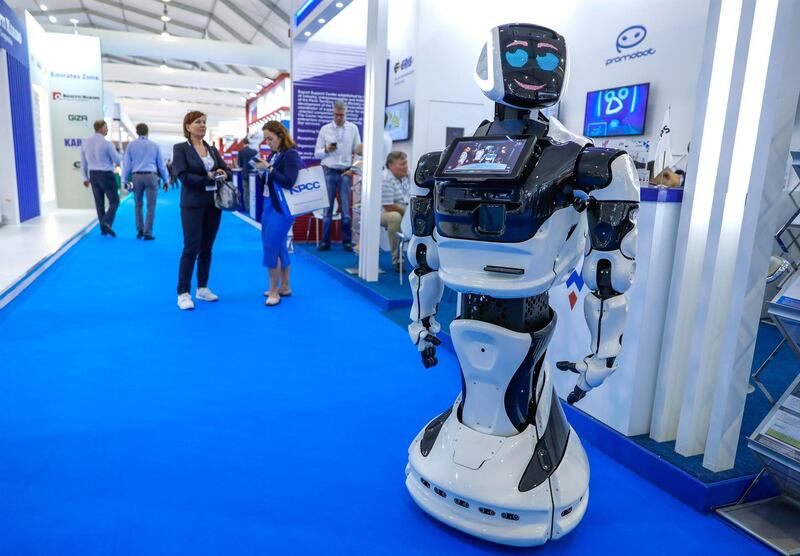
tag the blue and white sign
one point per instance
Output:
(12, 34)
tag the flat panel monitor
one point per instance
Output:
(615, 112)
(398, 117)
(486, 157)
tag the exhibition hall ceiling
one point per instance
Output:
(156, 71)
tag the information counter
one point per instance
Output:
(625, 401)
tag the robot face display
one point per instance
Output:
(523, 65)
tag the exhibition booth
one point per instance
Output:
(674, 408)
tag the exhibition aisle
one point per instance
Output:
(130, 427)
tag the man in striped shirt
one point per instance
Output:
(395, 191)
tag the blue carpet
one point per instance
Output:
(130, 427)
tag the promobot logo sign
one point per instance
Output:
(627, 39)
(57, 95)
(299, 188)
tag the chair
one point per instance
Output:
(318, 215)
(402, 245)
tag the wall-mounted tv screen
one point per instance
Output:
(617, 111)
(398, 116)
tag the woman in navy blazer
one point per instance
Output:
(282, 168)
(197, 164)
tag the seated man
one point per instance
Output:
(395, 191)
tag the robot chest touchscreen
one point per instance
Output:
(502, 211)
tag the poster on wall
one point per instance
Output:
(313, 105)
(76, 101)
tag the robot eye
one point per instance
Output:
(517, 58)
(548, 62)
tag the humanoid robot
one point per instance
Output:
(502, 463)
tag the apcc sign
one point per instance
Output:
(299, 188)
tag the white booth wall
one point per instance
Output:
(444, 39)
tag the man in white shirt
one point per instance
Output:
(98, 160)
(337, 142)
(395, 192)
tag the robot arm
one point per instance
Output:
(609, 177)
(426, 285)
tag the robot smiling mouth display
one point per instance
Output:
(501, 217)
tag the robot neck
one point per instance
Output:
(503, 112)
(514, 121)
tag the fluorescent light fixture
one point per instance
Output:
(307, 33)
(53, 19)
(73, 20)
(43, 7)
(166, 18)
(305, 10)
(321, 20)
(340, 5)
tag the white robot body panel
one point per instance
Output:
(432, 250)
(622, 270)
(624, 184)
(483, 497)
(489, 357)
(606, 320)
(539, 261)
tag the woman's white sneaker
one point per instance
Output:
(206, 294)
(185, 302)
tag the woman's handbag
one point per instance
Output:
(227, 197)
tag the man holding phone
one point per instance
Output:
(337, 142)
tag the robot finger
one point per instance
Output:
(432, 339)
(575, 396)
(567, 366)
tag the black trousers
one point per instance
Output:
(104, 185)
(200, 225)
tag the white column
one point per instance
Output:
(769, 100)
(713, 86)
(374, 101)
(747, 95)
(9, 196)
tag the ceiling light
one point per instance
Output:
(53, 19)
(163, 100)
(43, 7)
(307, 33)
(73, 21)
(165, 18)
(165, 86)
(321, 20)
(164, 66)
(340, 5)
(165, 34)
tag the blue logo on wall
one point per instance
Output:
(73, 142)
(630, 37)
(299, 188)
(627, 39)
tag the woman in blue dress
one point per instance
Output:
(281, 170)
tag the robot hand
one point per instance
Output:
(423, 334)
(592, 372)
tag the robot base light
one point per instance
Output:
(485, 502)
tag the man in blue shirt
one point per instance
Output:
(246, 154)
(144, 163)
(98, 159)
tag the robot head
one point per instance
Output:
(523, 66)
